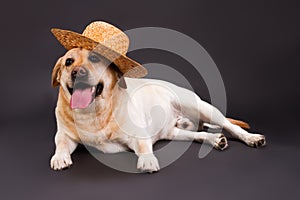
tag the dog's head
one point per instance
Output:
(85, 76)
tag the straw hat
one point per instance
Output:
(105, 39)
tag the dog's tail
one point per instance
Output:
(239, 123)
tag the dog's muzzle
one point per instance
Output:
(82, 93)
(79, 73)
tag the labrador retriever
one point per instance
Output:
(99, 107)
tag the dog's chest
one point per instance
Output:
(91, 138)
(100, 141)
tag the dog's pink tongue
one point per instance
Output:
(81, 98)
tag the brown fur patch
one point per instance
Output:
(143, 147)
(55, 77)
(239, 123)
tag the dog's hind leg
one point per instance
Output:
(192, 107)
(217, 140)
(212, 115)
(211, 126)
(187, 124)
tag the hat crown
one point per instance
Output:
(108, 35)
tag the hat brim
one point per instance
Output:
(69, 40)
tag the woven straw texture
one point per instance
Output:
(106, 40)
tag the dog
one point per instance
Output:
(100, 107)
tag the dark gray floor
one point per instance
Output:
(240, 172)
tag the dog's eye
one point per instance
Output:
(69, 62)
(94, 58)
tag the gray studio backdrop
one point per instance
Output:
(255, 45)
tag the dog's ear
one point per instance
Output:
(122, 82)
(56, 73)
(120, 75)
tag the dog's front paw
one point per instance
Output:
(148, 163)
(255, 140)
(60, 161)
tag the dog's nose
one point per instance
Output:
(79, 72)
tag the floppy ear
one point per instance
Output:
(121, 80)
(56, 73)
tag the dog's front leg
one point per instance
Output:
(147, 162)
(64, 148)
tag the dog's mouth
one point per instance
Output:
(83, 94)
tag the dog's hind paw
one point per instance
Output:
(255, 140)
(148, 163)
(60, 161)
(220, 142)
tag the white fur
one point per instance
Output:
(147, 111)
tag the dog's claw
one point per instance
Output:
(148, 163)
(220, 142)
(60, 161)
(256, 140)
(261, 142)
